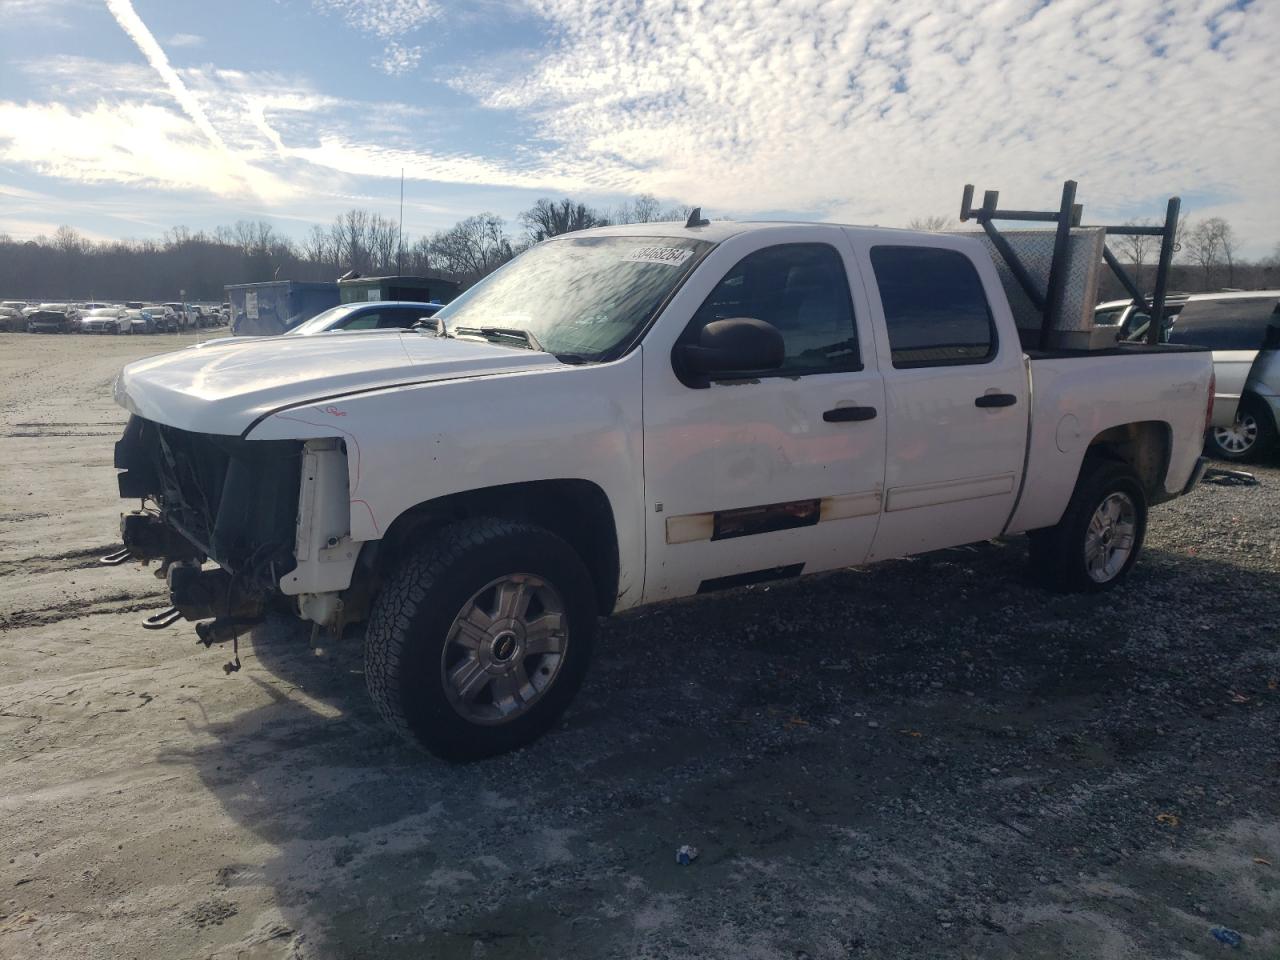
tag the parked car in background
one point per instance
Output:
(1129, 319)
(1241, 330)
(378, 315)
(105, 320)
(182, 315)
(45, 319)
(85, 308)
(134, 304)
(166, 319)
(11, 318)
(141, 321)
(69, 309)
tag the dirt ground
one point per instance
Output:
(928, 758)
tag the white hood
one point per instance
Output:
(224, 390)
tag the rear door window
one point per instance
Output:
(935, 308)
(1236, 324)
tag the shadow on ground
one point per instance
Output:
(926, 757)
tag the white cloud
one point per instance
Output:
(397, 59)
(125, 143)
(848, 109)
(390, 21)
(47, 14)
(185, 40)
(880, 111)
(386, 19)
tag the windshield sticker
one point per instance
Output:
(668, 256)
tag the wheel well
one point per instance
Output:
(1259, 405)
(576, 510)
(1145, 446)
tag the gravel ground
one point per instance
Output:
(927, 758)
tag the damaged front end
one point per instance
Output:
(211, 497)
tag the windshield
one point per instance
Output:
(583, 296)
(322, 321)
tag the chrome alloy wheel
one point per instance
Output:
(504, 649)
(1240, 436)
(1109, 540)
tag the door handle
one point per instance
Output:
(995, 400)
(845, 414)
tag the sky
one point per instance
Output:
(125, 117)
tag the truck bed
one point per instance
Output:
(1159, 389)
(1119, 350)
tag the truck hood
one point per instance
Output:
(226, 389)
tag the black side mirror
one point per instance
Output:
(739, 345)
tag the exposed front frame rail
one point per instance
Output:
(1068, 214)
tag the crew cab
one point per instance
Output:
(687, 408)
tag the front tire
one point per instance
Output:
(477, 643)
(1252, 434)
(1098, 540)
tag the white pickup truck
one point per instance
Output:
(623, 416)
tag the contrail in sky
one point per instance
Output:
(132, 24)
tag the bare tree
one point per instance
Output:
(546, 218)
(473, 248)
(69, 240)
(317, 247)
(383, 236)
(1210, 243)
(933, 224)
(1230, 247)
(418, 257)
(643, 209)
(1138, 248)
(350, 236)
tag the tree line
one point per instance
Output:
(69, 266)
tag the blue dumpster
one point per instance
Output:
(266, 309)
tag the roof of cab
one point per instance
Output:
(719, 230)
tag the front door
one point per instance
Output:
(760, 477)
(956, 395)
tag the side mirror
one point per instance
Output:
(739, 345)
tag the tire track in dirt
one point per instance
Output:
(56, 433)
(84, 558)
(116, 603)
(33, 425)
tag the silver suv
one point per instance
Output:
(1243, 330)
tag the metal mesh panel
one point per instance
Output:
(1035, 249)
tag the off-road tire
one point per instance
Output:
(1058, 552)
(1263, 443)
(416, 606)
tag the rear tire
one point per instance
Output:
(1098, 540)
(1251, 436)
(477, 643)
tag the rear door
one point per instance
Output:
(956, 396)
